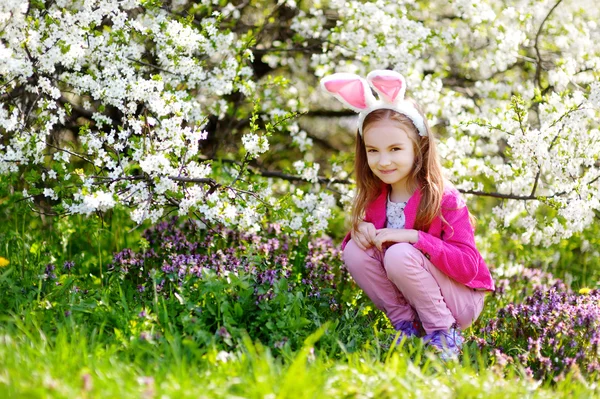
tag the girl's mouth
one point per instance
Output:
(387, 172)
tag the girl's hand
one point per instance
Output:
(395, 235)
(364, 236)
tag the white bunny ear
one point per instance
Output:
(390, 85)
(350, 89)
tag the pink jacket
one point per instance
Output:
(449, 246)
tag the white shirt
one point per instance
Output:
(395, 214)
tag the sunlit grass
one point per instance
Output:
(57, 343)
(72, 363)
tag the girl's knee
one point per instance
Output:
(400, 257)
(353, 255)
(350, 250)
(472, 311)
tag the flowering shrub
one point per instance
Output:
(190, 107)
(270, 285)
(551, 332)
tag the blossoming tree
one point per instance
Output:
(211, 109)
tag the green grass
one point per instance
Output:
(72, 363)
(97, 350)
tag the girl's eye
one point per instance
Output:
(396, 149)
(371, 150)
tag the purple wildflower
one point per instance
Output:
(222, 332)
(556, 329)
(49, 272)
(179, 257)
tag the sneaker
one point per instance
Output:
(407, 329)
(447, 343)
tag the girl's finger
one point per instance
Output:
(367, 242)
(359, 239)
(361, 245)
(372, 237)
(372, 232)
(377, 243)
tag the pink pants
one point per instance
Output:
(404, 284)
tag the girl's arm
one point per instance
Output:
(455, 254)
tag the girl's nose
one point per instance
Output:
(384, 160)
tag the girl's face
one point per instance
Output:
(390, 152)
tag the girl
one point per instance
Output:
(411, 248)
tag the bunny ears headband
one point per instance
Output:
(354, 92)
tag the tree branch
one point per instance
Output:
(517, 197)
(70, 152)
(203, 180)
(330, 113)
(499, 195)
(284, 176)
(307, 49)
(538, 71)
(12, 94)
(554, 139)
(154, 67)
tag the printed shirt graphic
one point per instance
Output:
(395, 214)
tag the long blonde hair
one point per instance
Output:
(426, 173)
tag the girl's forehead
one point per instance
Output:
(386, 131)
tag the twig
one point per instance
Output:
(15, 93)
(538, 71)
(554, 139)
(204, 180)
(499, 195)
(70, 152)
(154, 66)
(514, 196)
(330, 113)
(284, 176)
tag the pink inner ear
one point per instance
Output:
(350, 90)
(388, 85)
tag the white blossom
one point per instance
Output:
(48, 192)
(511, 86)
(255, 144)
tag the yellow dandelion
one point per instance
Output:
(585, 291)
(3, 262)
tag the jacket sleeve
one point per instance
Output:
(455, 253)
(346, 240)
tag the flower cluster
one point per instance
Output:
(130, 106)
(177, 253)
(502, 134)
(380, 33)
(520, 282)
(313, 211)
(49, 272)
(552, 332)
(108, 103)
(270, 285)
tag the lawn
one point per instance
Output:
(94, 308)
